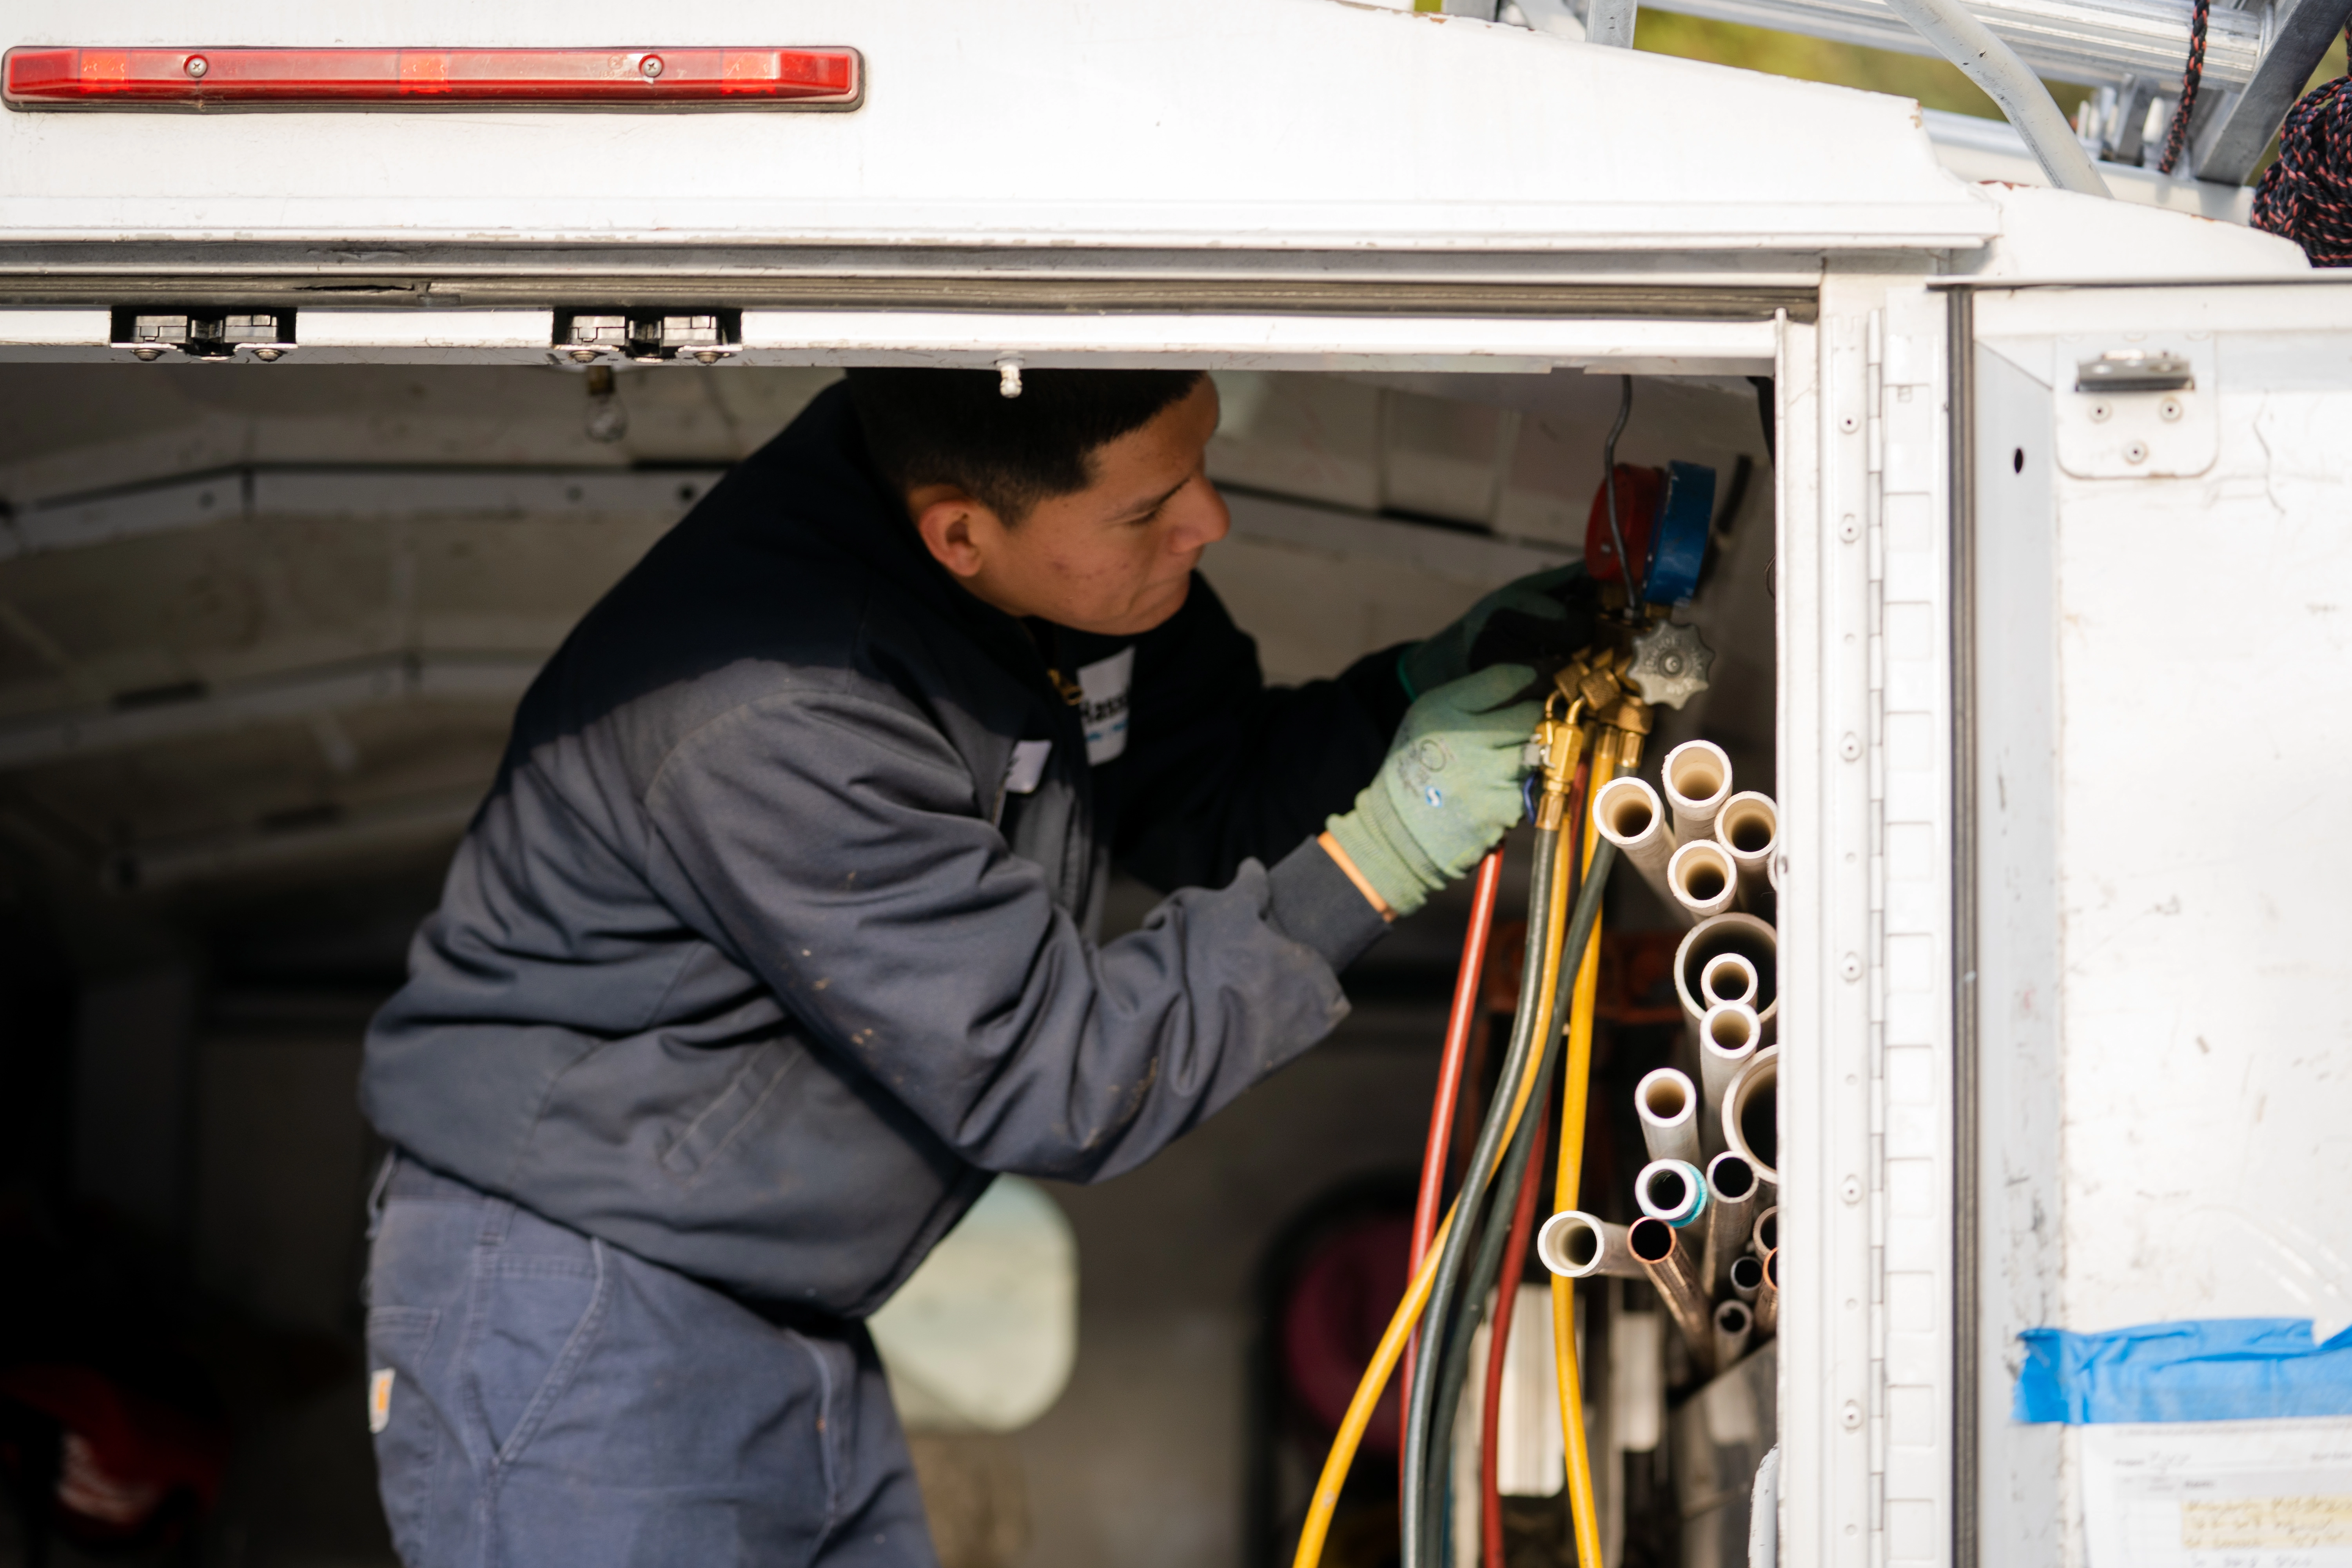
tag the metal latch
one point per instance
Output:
(200, 334)
(2136, 370)
(2138, 413)
(647, 336)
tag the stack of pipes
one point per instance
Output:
(1706, 1232)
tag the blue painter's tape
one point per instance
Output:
(2217, 1369)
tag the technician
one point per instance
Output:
(775, 939)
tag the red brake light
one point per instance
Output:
(42, 78)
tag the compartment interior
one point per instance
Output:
(261, 630)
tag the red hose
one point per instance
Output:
(1449, 1085)
(1506, 1293)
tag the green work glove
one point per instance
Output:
(1448, 789)
(1513, 622)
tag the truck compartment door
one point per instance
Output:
(2156, 664)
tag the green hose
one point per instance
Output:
(1413, 1526)
(1437, 1380)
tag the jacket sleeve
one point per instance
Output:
(1223, 768)
(833, 843)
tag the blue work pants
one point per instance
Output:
(543, 1399)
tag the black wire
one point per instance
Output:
(2306, 194)
(2191, 74)
(1608, 484)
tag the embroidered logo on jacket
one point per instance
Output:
(1105, 683)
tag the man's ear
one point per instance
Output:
(956, 528)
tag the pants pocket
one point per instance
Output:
(537, 1316)
(400, 1416)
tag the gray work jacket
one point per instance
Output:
(774, 937)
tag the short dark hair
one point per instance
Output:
(957, 427)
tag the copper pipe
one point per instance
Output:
(1657, 1246)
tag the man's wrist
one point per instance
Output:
(1340, 858)
(1384, 859)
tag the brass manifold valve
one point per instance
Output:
(1591, 691)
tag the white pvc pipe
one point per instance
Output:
(1671, 1190)
(1729, 1035)
(1580, 1246)
(1696, 780)
(1752, 939)
(1748, 828)
(1728, 977)
(1668, 1108)
(1704, 881)
(1632, 817)
(1751, 1113)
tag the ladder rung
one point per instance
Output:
(2069, 40)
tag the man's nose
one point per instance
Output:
(1203, 521)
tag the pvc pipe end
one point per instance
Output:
(1628, 811)
(1731, 1031)
(1697, 778)
(1671, 1190)
(1730, 1178)
(1703, 876)
(1573, 1244)
(1664, 1098)
(1748, 826)
(1729, 977)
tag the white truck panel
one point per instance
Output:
(2169, 1061)
(1217, 123)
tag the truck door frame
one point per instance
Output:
(1861, 394)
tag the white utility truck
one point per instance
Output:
(2041, 620)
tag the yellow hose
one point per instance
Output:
(1342, 1456)
(1584, 1514)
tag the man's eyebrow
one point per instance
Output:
(1154, 504)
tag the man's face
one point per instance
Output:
(1115, 558)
